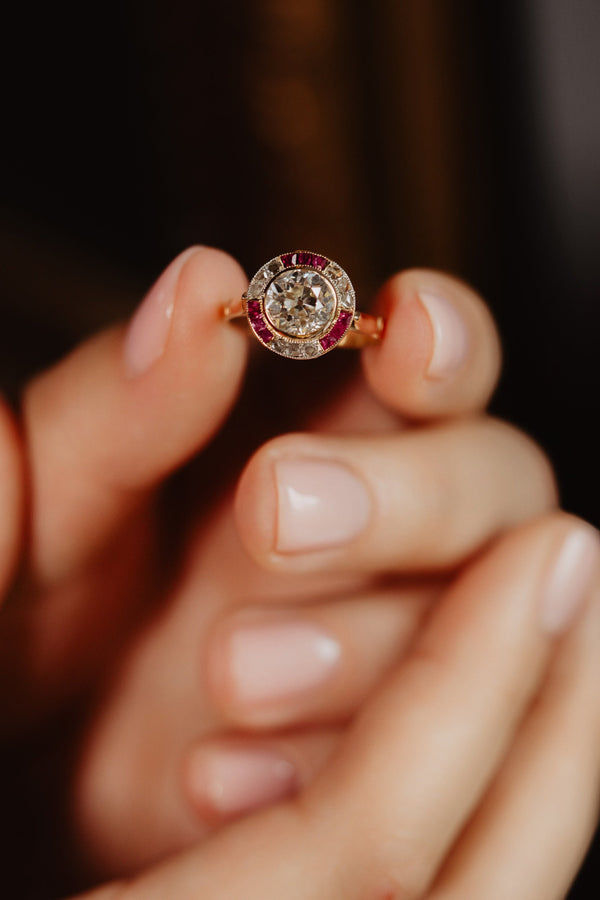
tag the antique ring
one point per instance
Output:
(302, 305)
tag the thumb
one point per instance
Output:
(106, 424)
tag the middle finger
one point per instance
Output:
(412, 501)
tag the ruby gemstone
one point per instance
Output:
(312, 260)
(262, 331)
(257, 321)
(304, 259)
(337, 331)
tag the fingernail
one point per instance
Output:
(570, 579)
(149, 328)
(450, 337)
(231, 781)
(320, 504)
(268, 663)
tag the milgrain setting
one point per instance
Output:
(301, 305)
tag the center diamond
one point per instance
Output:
(300, 302)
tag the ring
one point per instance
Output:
(302, 305)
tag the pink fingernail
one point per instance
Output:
(570, 579)
(232, 781)
(269, 663)
(149, 328)
(320, 504)
(450, 337)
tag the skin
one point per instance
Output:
(444, 727)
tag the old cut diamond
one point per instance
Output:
(300, 302)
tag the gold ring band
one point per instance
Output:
(301, 305)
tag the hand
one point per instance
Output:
(156, 701)
(473, 770)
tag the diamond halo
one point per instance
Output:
(300, 304)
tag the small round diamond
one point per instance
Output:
(300, 302)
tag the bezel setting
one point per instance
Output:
(323, 339)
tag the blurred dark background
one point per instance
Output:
(458, 135)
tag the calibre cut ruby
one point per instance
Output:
(337, 331)
(327, 341)
(253, 306)
(342, 323)
(308, 259)
(259, 327)
(304, 259)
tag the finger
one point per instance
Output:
(226, 777)
(425, 750)
(381, 815)
(11, 497)
(418, 500)
(218, 778)
(541, 811)
(440, 355)
(277, 668)
(167, 703)
(109, 422)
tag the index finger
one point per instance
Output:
(440, 354)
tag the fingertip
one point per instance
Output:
(440, 354)
(226, 779)
(189, 386)
(208, 279)
(391, 365)
(148, 332)
(187, 295)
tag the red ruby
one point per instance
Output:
(338, 329)
(289, 259)
(259, 327)
(311, 259)
(327, 341)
